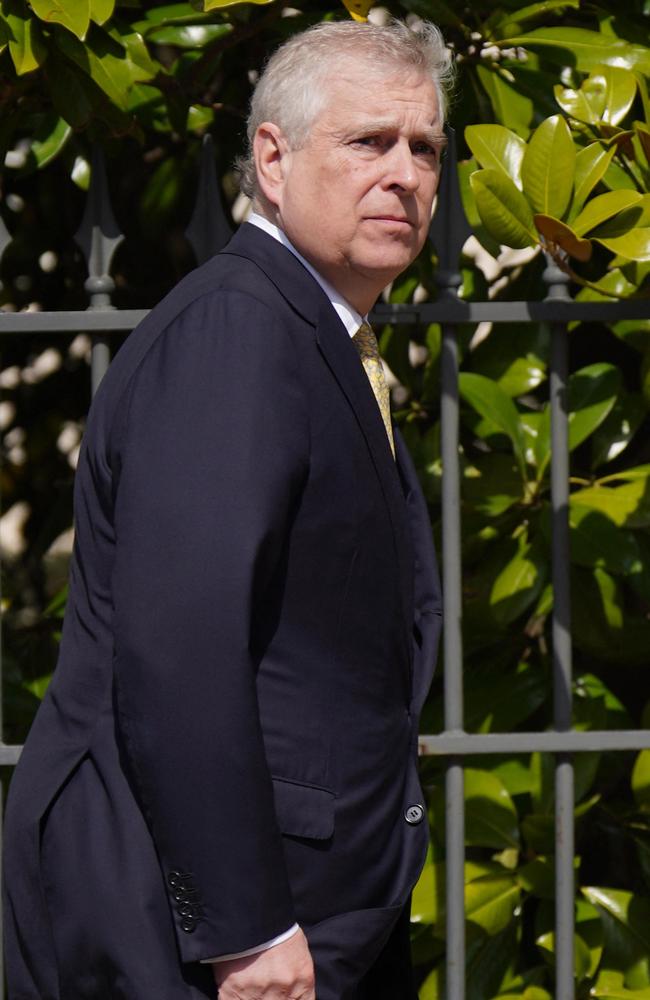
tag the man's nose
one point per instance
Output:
(401, 169)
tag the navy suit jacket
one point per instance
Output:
(229, 742)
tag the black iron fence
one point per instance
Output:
(98, 238)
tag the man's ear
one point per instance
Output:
(271, 152)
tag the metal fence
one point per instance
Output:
(208, 231)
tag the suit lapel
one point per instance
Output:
(344, 362)
(305, 295)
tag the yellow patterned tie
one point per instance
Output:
(366, 344)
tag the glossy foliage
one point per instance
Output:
(552, 103)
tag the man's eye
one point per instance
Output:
(426, 149)
(368, 140)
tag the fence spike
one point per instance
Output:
(5, 237)
(98, 235)
(449, 228)
(208, 229)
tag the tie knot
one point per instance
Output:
(366, 342)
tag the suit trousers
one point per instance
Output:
(391, 976)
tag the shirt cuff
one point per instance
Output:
(258, 947)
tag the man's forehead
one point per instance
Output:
(354, 97)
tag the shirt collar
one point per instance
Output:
(350, 318)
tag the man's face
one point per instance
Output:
(356, 199)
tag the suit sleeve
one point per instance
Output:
(213, 459)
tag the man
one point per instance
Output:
(220, 789)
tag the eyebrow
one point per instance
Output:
(368, 128)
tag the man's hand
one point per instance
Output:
(284, 972)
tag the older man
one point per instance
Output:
(220, 789)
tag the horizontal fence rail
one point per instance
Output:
(98, 236)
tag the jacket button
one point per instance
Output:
(188, 925)
(175, 879)
(414, 814)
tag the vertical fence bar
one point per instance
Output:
(98, 237)
(557, 282)
(449, 232)
(453, 659)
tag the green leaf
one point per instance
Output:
(581, 956)
(498, 148)
(616, 432)
(603, 207)
(115, 62)
(513, 357)
(428, 900)
(620, 91)
(548, 167)
(596, 541)
(26, 46)
(490, 902)
(626, 923)
(534, 10)
(641, 780)
(590, 49)
(50, 139)
(518, 583)
(592, 394)
(591, 165)
(575, 103)
(39, 686)
(491, 818)
(627, 505)
(220, 4)
(493, 404)
(188, 36)
(101, 10)
(511, 106)
(504, 211)
(72, 14)
(635, 245)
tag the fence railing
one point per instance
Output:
(208, 231)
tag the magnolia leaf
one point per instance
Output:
(627, 505)
(50, 140)
(494, 405)
(427, 904)
(597, 542)
(533, 11)
(358, 9)
(26, 45)
(591, 49)
(591, 165)
(635, 245)
(491, 818)
(558, 234)
(616, 432)
(575, 104)
(636, 216)
(101, 10)
(641, 780)
(220, 4)
(518, 584)
(626, 923)
(504, 211)
(592, 393)
(603, 207)
(511, 107)
(490, 902)
(643, 135)
(581, 955)
(72, 14)
(620, 90)
(497, 147)
(548, 167)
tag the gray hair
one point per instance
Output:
(291, 91)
